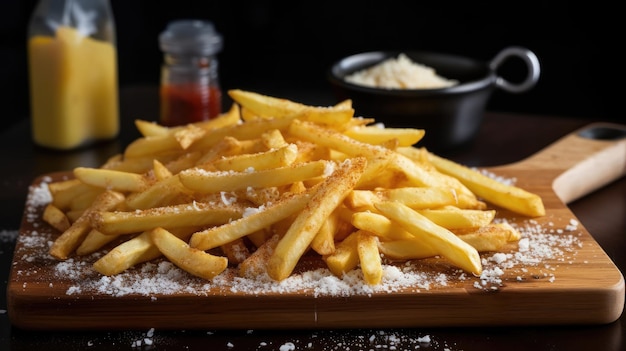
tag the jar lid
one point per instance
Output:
(190, 37)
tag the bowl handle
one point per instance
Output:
(529, 58)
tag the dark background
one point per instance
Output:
(278, 47)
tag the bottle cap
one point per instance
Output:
(190, 37)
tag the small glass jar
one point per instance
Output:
(73, 73)
(190, 90)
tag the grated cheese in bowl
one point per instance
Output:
(400, 73)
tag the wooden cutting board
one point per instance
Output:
(557, 275)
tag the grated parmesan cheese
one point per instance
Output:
(400, 73)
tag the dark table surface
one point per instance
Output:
(503, 138)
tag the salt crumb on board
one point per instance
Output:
(537, 244)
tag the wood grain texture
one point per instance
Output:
(581, 287)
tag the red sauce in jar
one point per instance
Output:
(188, 103)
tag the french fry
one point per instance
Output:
(451, 217)
(346, 256)
(160, 171)
(148, 128)
(492, 237)
(64, 192)
(440, 239)
(245, 131)
(134, 251)
(209, 182)
(270, 107)
(191, 214)
(235, 251)
(177, 139)
(377, 157)
(111, 179)
(256, 264)
(152, 146)
(93, 242)
(324, 241)
(56, 218)
(506, 196)
(161, 193)
(414, 197)
(406, 249)
(369, 258)
(306, 225)
(380, 225)
(85, 199)
(69, 240)
(274, 158)
(220, 235)
(377, 135)
(194, 261)
(187, 135)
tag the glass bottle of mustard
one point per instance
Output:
(73, 73)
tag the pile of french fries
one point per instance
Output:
(271, 180)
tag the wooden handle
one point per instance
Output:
(585, 159)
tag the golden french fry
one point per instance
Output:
(323, 202)
(406, 249)
(161, 193)
(256, 264)
(141, 164)
(377, 157)
(160, 171)
(273, 139)
(187, 160)
(414, 197)
(203, 181)
(244, 131)
(492, 237)
(380, 225)
(229, 118)
(134, 251)
(440, 239)
(194, 261)
(235, 251)
(369, 258)
(153, 146)
(324, 241)
(255, 221)
(111, 179)
(187, 135)
(65, 192)
(93, 242)
(452, 217)
(274, 158)
(85, 199)
(346, 256)
(147, 128)
(271, 107)
(69, 240)
(498, 193)
(172, 140)
(56, 218)
(377, 135)
(175, 216)
(426, 177)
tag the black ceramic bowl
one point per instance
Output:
(451, 116)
